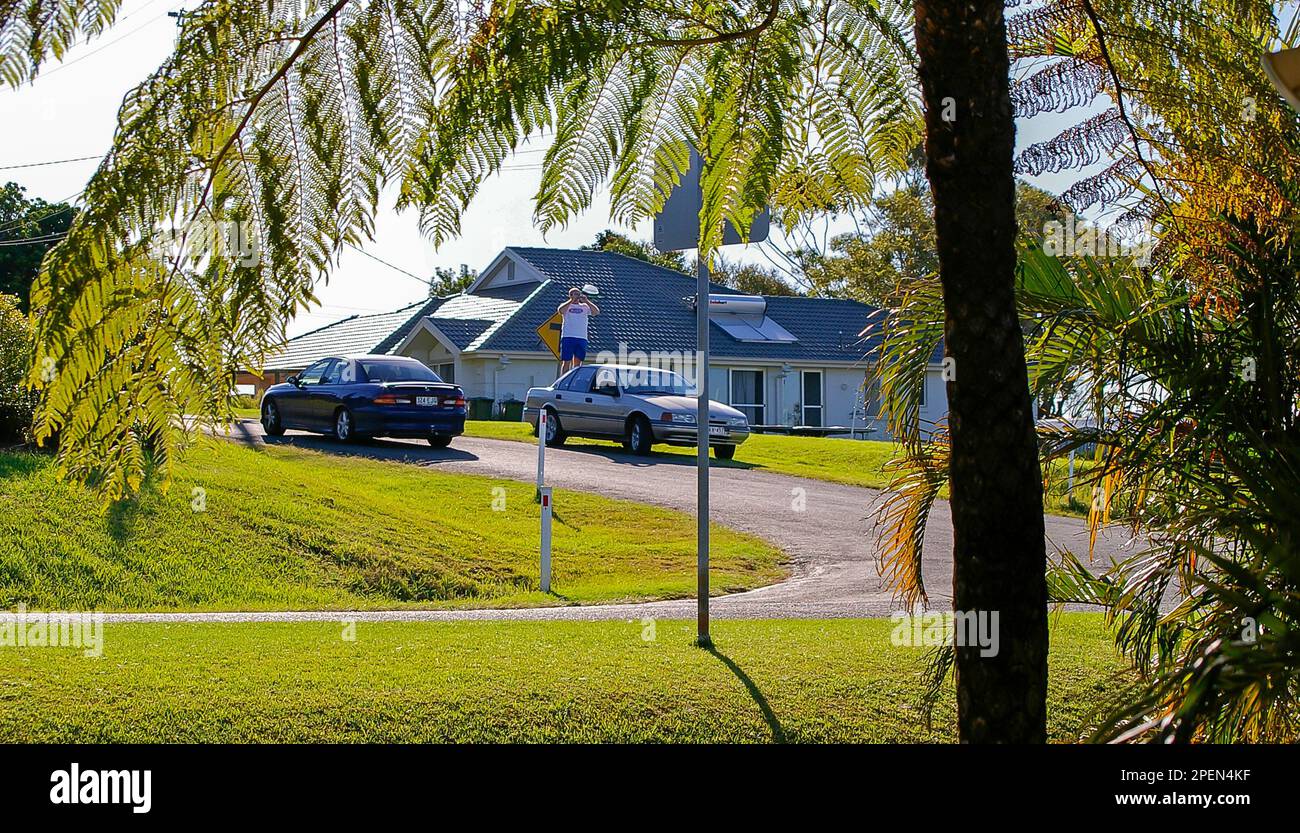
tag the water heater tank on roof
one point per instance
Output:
(737, 305)
(744, 318)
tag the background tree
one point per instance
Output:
(17, 403)
(896, 244)
(611, 241)
(448, 281)
(44, 224)
(750, 278)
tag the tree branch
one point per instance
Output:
(1123, 111)
(723, 37)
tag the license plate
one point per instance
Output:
(717, 431)
(426, 401)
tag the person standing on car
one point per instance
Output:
(574, 313)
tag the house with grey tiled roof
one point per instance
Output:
(781, 360)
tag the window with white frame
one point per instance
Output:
(747, 390)
(812, 408)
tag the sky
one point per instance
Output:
(70, 111)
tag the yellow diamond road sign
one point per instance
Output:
(549, 333)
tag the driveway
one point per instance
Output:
(825, 528)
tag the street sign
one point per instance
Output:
(549, 333)
(677, 225)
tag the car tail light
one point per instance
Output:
(392, 399)
(458, 402)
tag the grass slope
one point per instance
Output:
(803, 681)
(290, 529)
(835, 459)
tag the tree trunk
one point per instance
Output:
(996, 489)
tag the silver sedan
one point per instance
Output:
(634, 405)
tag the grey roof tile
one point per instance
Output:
(358, 334)
(462, 331)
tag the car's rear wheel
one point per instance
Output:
(345, 430)
(271, 423)
(640, 438)
(724, 452)
(440, 441)
(555, 435)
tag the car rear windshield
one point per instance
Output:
(397, 372)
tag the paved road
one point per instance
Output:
(825, 528)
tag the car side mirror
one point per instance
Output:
(292, 380)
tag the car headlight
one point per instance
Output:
(737, 421)
(688, 419)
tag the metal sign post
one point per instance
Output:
(702, 455)
(677, 227)
(546, 539)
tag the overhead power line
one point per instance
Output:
(391, 266)
(101, 48)
(50, 162)
(31, 241)
(13, 224)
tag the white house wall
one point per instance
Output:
(489, 378)
(783, 396)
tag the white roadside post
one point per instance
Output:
(541, 451)
(545, 492)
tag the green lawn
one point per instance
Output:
(802, 681)
(291, 529)
(836, 459)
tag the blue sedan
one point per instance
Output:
(367, 396)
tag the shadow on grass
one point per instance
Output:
(778, 731)
(125, 516)
(370, 448)
(21, 461)
(562, 520)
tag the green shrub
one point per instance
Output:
(17, 403)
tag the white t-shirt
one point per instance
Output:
(575, 321)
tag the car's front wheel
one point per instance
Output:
(640, 437)
(440, 441)
(271, 423)
(724, 452)
(345, 430)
